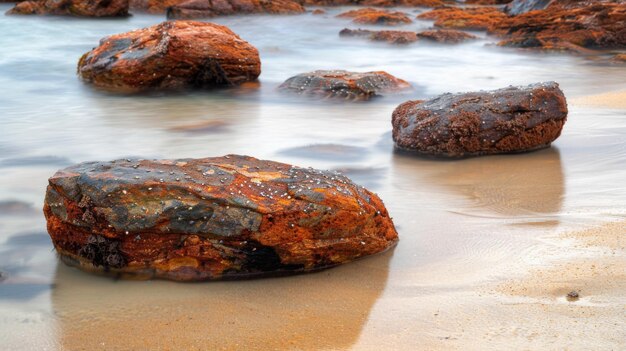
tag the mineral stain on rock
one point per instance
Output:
(514, 119)
(213, 218)
(171, 55)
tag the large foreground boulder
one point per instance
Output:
(211, 8)
(79, 8)
(344, 84)
(171, 55)
(514, 119)
(212, 218)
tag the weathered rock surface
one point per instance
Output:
(464, 18)
(517, 7)
(567, 25)
(508, 120)
(376, 16)
(381, 3)
(487, 2)
(171, 55)
(212, 218)
(211, 8)
(344, 84)
(389, 36)
(449, 36)
(79, 8)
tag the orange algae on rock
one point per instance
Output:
(212, 218)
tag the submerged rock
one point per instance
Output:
(508, 120)
(376, 16)
(389, 36)
(567, 25)
(344, 84)
(212, 218)
(171, 55)
(79, 8)
(449, 36)
(464, 18)
(211, 8)
(517, 7)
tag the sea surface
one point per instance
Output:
(463, 224)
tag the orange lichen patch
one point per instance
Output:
(344, 84)
(190, 9)
(376, 16)
(514, 119)
(464, 18)
(389, 36)
(213, 218)
(566, 26)
(171, 55)
(446, 36)
(97, 8)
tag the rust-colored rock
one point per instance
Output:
(487, 2)
(319, 12)
(567, 25)
(380, 3)
(344, 84)
(464, 18)
(446, 36)
(212, 218)
(389, 36)
(211, 8)
(377, 16)
(171, 55)
(514, 119)
(79, 8)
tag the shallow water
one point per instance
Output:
(462, 223)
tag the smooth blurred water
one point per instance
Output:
(460, 222)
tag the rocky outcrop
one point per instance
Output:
(171, 55)
(211, 8)
(448, 36)
(376, 16)
(486, 2)
(79, 8)
(212, 218)
(514, 119)
(389, 36)
(344, 84)
(567, 25)
(380, 3)
(479, 18)
(517, 7)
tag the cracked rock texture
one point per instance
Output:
(344, 84)
(79, 8)
(376, 16)
(211, 8)
(514, 119)
(212, 218)
(171, 55)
